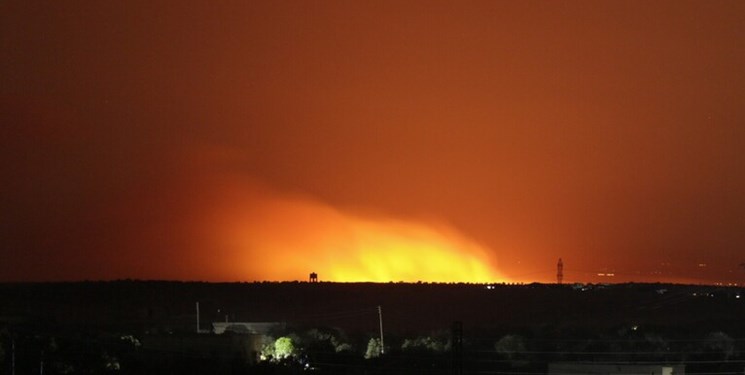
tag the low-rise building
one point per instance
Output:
(255, 328)
(589, 368)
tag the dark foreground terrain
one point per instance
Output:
(151, 327)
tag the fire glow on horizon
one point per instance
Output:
(286, 239)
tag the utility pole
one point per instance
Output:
(13, 357)
(197, 316)
(559, 272)
(380, 319)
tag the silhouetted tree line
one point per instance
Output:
(91, 328)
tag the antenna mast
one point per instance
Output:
(380, 319)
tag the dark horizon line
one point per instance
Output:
(500, 283)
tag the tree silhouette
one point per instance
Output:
(284, 348)
(374, 349)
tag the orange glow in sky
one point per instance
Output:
(606, 133)
(287, 238)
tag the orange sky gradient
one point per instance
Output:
(285, 239)
(373, 141)
(252, 233)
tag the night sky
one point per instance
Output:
(372, 140)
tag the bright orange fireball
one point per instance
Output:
(286, 239)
